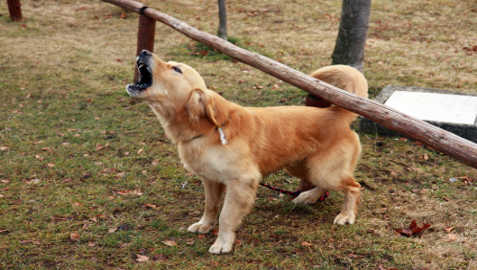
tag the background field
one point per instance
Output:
(89, 181)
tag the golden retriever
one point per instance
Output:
(232, 147)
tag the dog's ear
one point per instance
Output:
(194, 105)
(202, 104)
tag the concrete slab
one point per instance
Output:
(454, 112)
(446, 108)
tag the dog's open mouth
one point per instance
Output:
(144, 82)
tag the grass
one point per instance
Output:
(78, 156)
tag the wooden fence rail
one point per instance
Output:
(437, 138)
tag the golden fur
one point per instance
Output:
(314, 144)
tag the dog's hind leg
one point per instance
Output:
(309, 196)
(333, 170)
(310, 193)
(351, 190)
(213, 194)
(239, 199)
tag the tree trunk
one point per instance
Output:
(349, 48)
(222, 33)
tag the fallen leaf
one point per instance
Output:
(190, 242)
(306, 244)
(452, 237)
(125, 227)
(381, 267)
(3, 148)
(74, 236)
(449, 229)
(135, 192)
(141, 258)
(413, 229)
(111, 230)
(150, 205)
(51, 165)
(40, 158)
(30, 241)
(1, 196)
(140, 151)
(34, 181)
(86, 176)
(169, 243)
(5, 181)
(4, 231)
(91, 244)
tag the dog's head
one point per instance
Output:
(159, 80)
(175, 90)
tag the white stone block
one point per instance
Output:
(435, 107)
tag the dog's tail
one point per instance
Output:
(346, 78)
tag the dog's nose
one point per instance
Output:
(145, 53)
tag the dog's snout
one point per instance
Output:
(143, 57)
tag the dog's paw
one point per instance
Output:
(223, 244)
(307, 197)
(200, 227)
(221, 247)
(343, 218)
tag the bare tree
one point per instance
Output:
(222, 20)
(349, 48)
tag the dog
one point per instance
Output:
(232, 147)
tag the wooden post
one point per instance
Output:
(145, 36)
(14, 8)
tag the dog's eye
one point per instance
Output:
(176, 69)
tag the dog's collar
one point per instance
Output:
(222, 137)
(223, 140)
(193, 138)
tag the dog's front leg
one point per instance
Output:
(213, 193)
(239, 199)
